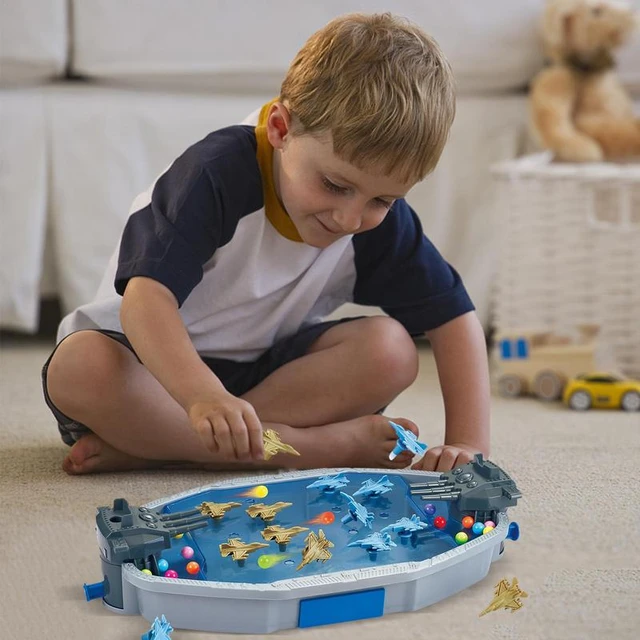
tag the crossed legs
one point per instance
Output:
(322, 403)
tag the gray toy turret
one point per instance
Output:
(136, 535)
(479, 486)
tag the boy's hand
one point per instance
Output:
(229, 426)
(446, 457)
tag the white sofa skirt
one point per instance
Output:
(23, 209)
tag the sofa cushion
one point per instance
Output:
(492, 45)
(33, 40)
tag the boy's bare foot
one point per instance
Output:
(91, 454)
(362, 442)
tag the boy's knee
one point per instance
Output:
(81, 368)
(392, 350)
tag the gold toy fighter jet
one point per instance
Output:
(238, 549)
(267, 511)
(273, 444)
(281, 535)
(315, 549)
(506, 597)
(217, 509)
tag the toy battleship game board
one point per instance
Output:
(300, 549)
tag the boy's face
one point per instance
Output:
(325, 196)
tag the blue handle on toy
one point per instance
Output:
(514, 531)
(93, 591)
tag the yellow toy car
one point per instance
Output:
(603, 391)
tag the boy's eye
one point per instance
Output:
(333, 187)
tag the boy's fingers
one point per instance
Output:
(223, 438)
(447, 460)
(254, 428)
(240, 436)
(205, 430)
(430, 460)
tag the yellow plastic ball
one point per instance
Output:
(179, 536)
(147, 571)
(262, 491)
(487, 529)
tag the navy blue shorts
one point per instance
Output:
(237, 377)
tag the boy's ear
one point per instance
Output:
(278, 123)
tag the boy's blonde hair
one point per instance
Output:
(382, 88)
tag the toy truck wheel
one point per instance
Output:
(580, 400)
(630, 401)
(548, 385)
(511, 386)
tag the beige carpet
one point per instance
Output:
(577, 557)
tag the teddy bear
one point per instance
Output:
(578, 106)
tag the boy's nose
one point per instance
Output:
(349, 219)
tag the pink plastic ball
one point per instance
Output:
(490, 523)
(187, 553)
(170, 573)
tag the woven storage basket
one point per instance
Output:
(570, 250)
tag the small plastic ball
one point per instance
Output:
(439, 522)
(467, 522)
(487, 529)
(265, 561)
(147, 571)
(193, 567)
(477, 528)
(179, 536)
(261, 491)
(327, 517)
(490, 523)
(461, 537)
(163, 565)
(170, 574)
(429, 509)
(187, 553)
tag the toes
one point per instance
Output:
(87, 447)
(407, 424)
(76, 468)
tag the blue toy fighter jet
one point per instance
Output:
(406, 525)
(160, 630)
(377, 541)
(406, 442)
(357, 511)
(374, 487)
(329, 483)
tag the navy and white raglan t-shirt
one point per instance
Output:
(212, 230)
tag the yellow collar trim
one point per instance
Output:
(275, 212)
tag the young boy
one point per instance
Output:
(214, 331)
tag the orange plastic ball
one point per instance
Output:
(467, 522)
(193, 567)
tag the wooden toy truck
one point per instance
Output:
(541, 362)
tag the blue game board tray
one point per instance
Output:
(404, 558)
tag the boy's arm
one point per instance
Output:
(151, 321)
(461, 357)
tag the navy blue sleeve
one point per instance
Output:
(401, 271)
(194, 209)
